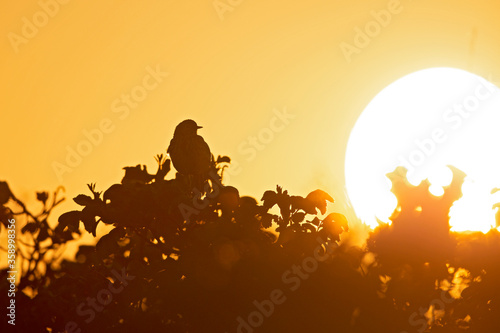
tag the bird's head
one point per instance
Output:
(186, 128)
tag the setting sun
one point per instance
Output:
(425, 121)
(250, 166)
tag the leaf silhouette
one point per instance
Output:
(71, 220)
(107, 245)
(82, 200)
(319, 199)
(88, 219)
(44, 231)
(335, 224)
(42, 196)
(29, 227)
(4, 193)
(211, 271)
(298, 217)
(223, 159)
(270, 198)
(137, 174)
(306, 205)
(113, 193)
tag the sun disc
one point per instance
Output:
(425, 121)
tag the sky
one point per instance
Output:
(89, 87)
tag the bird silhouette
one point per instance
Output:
(189, 152)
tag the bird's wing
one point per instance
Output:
(203, 146)
(202, 150)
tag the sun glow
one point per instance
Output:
(425, 121)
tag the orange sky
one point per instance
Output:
(231, 71)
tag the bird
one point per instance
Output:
(189, 152)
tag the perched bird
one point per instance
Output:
(189, 152)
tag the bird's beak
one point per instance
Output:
(198, 127)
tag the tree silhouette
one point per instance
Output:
(187, 255)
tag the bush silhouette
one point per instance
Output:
(190, 254)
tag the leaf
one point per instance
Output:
(117, 233)
(303, 203)
(338, 218)
(61, 236)
(308, 226)
(115, 191)
(82, 200)
(223, 159)
(335, 224)
(43, 234)
(298, 217)
(319, 198)
(5, 193)
(90, 225)
(42, 196)
(5, 216)
(137, 174)
(229, 197)
(284, 202)
(89, 222)
(70, 220)
(30, 227)
(107, 245)
(266, 221)
(270, 198)
(315, 221)
(249, 205)
(286, 235)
